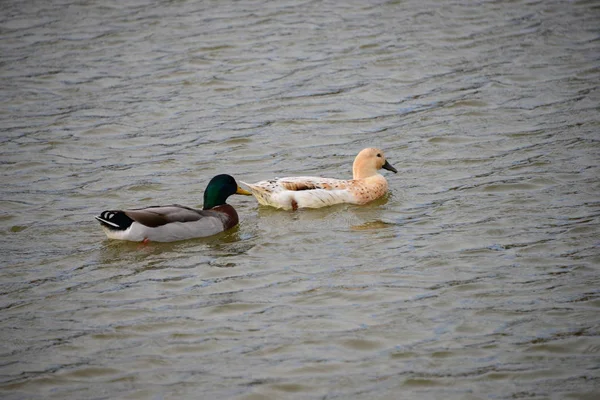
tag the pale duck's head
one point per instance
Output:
(368, 162)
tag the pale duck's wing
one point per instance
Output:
(302, 192)
(301, 183)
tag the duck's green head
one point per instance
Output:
(219, 189)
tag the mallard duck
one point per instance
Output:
(176, 222)
(314, 192)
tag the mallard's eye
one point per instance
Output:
(378, 154)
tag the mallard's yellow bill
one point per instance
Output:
(242, 191)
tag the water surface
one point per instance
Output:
(476, 278)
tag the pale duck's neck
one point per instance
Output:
(362, 171)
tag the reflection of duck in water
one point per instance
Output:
(314, 192)
(176, 222)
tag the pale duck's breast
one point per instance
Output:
(368, 189)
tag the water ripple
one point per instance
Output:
(475, 278)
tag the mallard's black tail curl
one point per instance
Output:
(115, 220)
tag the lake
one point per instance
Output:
(476, 277)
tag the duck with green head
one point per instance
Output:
(175, 222)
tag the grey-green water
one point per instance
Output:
(477, 278)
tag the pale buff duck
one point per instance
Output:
(315, 192)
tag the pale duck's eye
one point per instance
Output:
(378, 154)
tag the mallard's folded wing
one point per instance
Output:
(163, 215)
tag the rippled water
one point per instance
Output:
(477, 278)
